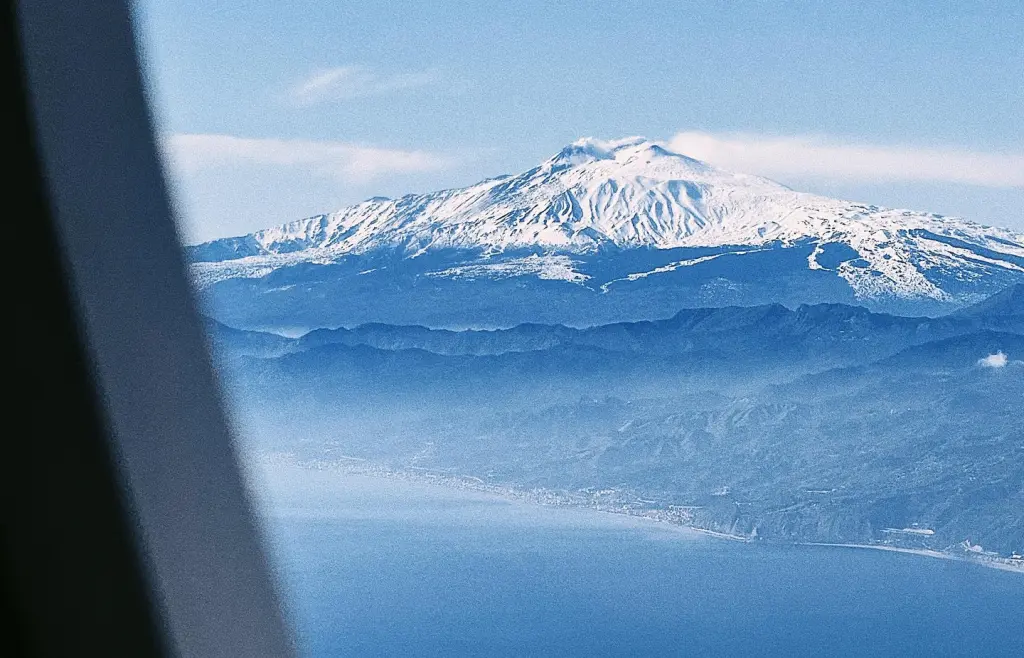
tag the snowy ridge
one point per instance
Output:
(627, 194)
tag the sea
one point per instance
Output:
(371, 566)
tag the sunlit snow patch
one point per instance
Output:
(671, 267)
(552, 267)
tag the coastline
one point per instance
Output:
(994, 563)
(543, 497)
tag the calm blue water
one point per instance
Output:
(385, 568)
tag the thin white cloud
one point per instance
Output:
(345, 82)
(997, 360)
(352, 163)
(823, 158)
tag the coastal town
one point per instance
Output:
(615, 501)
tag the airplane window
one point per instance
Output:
(508, 378)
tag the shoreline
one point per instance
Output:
(993, 563)
(546, 498)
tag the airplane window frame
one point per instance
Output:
(158, 540)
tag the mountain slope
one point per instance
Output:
(1007, 304)
(823, 423)
(809, 331)
(620, 218)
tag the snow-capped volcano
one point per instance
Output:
(602, 197)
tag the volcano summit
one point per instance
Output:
(602, 231)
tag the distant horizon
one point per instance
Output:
(285, 112)
(670, 145)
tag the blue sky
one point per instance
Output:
(274, 111)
